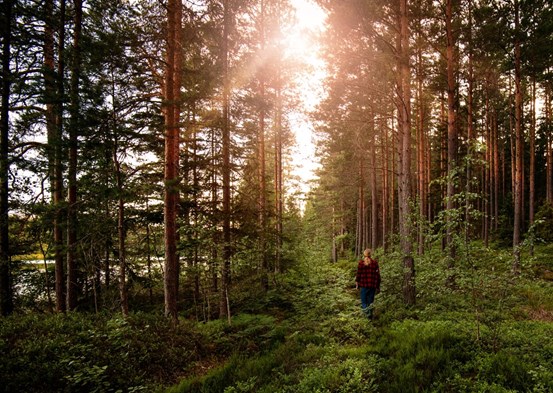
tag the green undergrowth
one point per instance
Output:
(93, 353)
(320, 347)
(485, 331)
(489, 332)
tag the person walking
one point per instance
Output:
(368, 279)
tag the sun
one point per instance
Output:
(301, 38)
(301, 43)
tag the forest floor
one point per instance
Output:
(490, 332)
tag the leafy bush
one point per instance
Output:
(80, 352)
(419, 354)
(544, 223)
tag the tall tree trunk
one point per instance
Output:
(361, 208)
(451, 130)
(214, 216)
(72, 276)
(261, 158)
(149, 255)
(443, 161)
(421, 165)
(278, 150)
(404, 181)
(334, 243)
(121, 231)
(374, 192)
(392, 175)
(532, 149)
(518, 148)
(470, 121)
(108, 244)
(224, 310)
(6, 298)
(279, 195)
(385, 191)
(486, 177)
(195, 196)
(58, 197)
(496, 177)
(53, 97)
(172, 142)
(549, 148)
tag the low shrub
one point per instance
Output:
(82, 352)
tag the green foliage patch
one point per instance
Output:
(80, 352)
(490, 332)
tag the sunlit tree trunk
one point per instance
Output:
(470, 119)
(404, 181)
(496, 177)
(532, 151)
(172, 142)
(360, 210)
(6, 299)
(548, 150)
(374, 191)
(443, 160)
(149, 255)
(224, 310)
(195, 196)
(278, 152)
(518, 168)
(279, 192)
(214, 216)
(261, 158)
(421, 149)
(395, 163)
(385, 192)
(487, 169)
(451, 128)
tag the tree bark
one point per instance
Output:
(58, 188)
(54, 104)
(374, 191)
(361, 227)
(385, 190)
(451, 131)
(214, 217)
(549, 149)
(518, 148)
(121, 230)
(279, 205)
(470, 121)
(227, 250)
(421, 150)
(6, 296)
(532, 150)
(261, 158)
(172, 142)
(404, 181)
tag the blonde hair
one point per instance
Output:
(367, 255)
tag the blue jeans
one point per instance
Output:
(367, 298)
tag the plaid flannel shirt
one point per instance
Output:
(368, 276)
